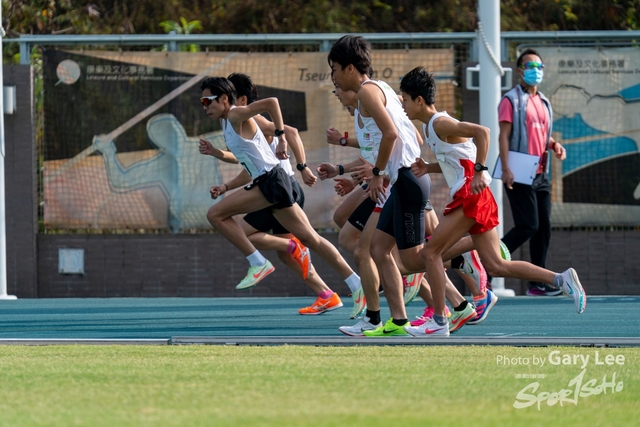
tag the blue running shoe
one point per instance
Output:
(482, 307)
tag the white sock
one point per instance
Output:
(256, 259)
(353, 282)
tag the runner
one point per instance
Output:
(467, 265)
(271, 186)
(401, 220)
(256, 225)
(461, 149)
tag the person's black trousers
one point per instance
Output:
(531, 209)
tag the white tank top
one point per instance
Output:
(455, 160)
(369, 151)
(284, 163)
(366, 141)
(407, 148)
(254, 154)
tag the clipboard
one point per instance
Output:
(523, 166)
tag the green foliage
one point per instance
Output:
(183, 27)
(307, 16)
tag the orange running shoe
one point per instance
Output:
(302, 257)
(322, 305)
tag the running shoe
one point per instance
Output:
(428, 329)
(483, 305)
(358, 329)
(303, 257)
(428, 314)
(504, 252)
(359, 303)
(473, 267)
(543, 290)
(411, 284)
(459, 318)
(506, 255)
(256, 274)
(322, 305)
(572, 288)
(389, 329)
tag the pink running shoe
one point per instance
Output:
(474, 268)
(427, 315)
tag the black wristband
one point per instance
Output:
(278, 132)
(301, 166)
(340, 170)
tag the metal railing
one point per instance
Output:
(322, 40)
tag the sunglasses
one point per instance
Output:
(531, 65)
(207, 100)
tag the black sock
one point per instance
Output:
(374, 316)
(462, 306)
(400, 322)
(456, 263)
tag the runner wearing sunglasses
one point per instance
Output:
(269, 186)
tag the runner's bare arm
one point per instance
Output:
(241, 114)
(420, 168)
(207, 148)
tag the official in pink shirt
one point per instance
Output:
(526, 119)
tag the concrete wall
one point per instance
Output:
(207, 265)
(202, 265)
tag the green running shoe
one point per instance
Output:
(255, 274)
(504, 252)
(389, 329)
(359, 303)
(459, 318)
(411, 284)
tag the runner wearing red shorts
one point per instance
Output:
(461, 149)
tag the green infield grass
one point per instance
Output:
(318, 386)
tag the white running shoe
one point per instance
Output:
(359, 303)
(428, 329)
(572, 288)
(359, 328)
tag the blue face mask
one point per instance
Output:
(533, 76)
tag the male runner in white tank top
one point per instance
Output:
(271, 185)
(256, 225)
(402, 220)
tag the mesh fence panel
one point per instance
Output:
(595, 95)
(121, 128)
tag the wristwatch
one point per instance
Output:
(343, 140)
(301, 166)
(378, 172)
(478, 167)
(278, 132)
